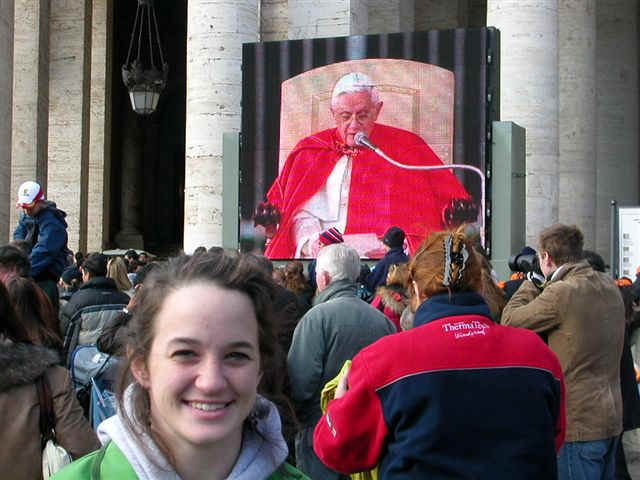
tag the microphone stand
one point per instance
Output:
(364, 142)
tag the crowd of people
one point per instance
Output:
(232, 367)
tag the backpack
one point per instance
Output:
(90, 367)
(103, 402)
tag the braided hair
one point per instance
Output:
(446, 262)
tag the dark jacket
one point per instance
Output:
(378, 275)
(457, 396)
(333, 331)
(47, 233)
(582, 312)
(20, 365)
(97, 291)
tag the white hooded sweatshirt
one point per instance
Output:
(263, 447)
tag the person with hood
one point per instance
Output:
(188, 403)
(391, 298)
(44, 228)
(69, 283)
(22, 363)
(457, 396)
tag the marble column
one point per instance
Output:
(616, 112)
(69, 84)
(529, 97)
(441, 14)
(577, 115)
(130, 235)
(216, 31)
(389, 16)
(327, 18)
(6, 95)
(98, 200)
(30, 97)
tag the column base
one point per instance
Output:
(129, 240)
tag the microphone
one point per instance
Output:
(362, 140)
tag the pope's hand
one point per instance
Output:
(267, 215)
(459, 211)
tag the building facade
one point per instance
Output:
(569, 76)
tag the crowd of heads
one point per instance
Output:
(446, 263)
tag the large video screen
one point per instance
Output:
(350, 136)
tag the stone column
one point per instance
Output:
(327, 18)
(30, 97)
(216, 31)
(6, 95)
(441, 14)
(529, 96)
(616, 112)
(577, 115)
(69, 83)
(274, 20)
(131, 155)
(389, 16)
(100, 125)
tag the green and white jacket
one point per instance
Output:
(123, 458)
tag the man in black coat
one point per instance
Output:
(97, 289)
(393, 240)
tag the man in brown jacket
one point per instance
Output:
(582, 314)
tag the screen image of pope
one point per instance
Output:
(329, 180)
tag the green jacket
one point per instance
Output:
(109, 463)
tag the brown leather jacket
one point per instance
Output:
(20, 365)
(582, 313)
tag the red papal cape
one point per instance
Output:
(381, 195)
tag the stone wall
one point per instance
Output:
(6, 87)
(327, 18)
(617, 112)
(389, 16)
(274, 20)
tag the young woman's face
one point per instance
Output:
(203, 368)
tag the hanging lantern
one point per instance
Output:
(145, 83)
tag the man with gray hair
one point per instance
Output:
(336, 328)
(331, 180)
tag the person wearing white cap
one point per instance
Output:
(44, 227)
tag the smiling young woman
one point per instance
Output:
(199, 340)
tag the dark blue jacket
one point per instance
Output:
(379, 274)
(48, 229)
(456, 397)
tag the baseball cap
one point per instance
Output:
(29, 193)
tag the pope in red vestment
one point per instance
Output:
(380, 194)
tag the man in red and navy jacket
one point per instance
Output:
(458, 396)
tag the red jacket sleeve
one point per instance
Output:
(351, 434)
